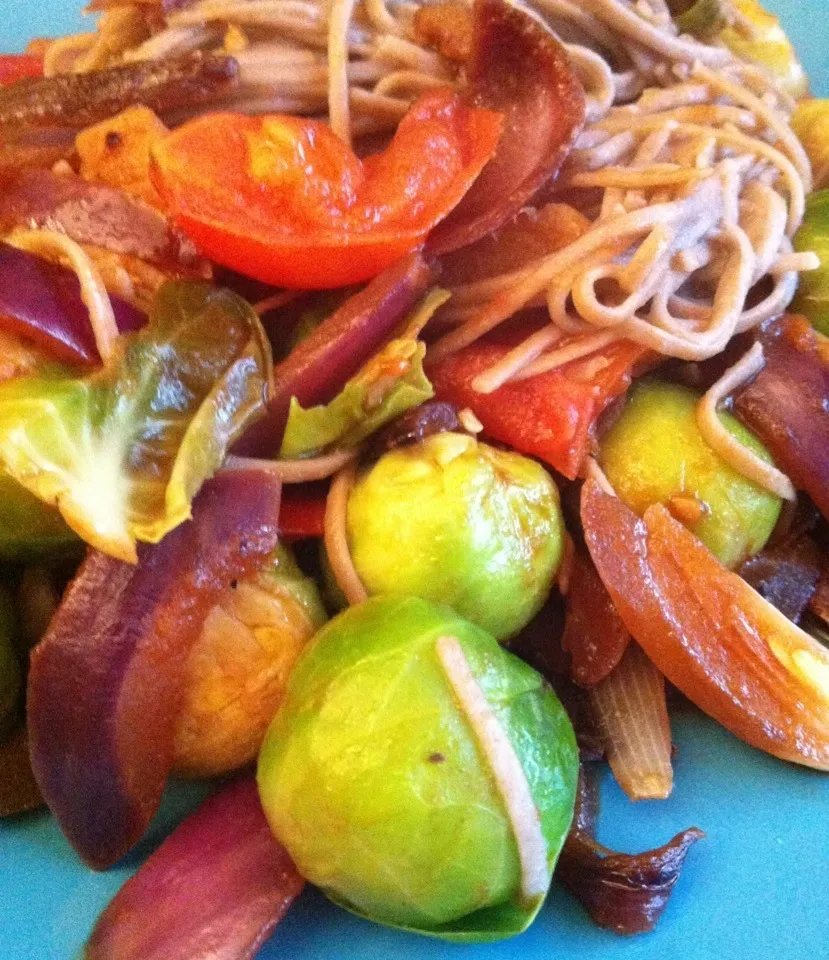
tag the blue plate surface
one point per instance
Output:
(755, 889)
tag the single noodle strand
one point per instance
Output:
(336, 537)
(737, 455)
(296, 471)
(510, 778)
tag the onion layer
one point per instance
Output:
(214, 890)
(107, 680)
(725, 647)
(632, 716)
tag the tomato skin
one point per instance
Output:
(19, 66)
(550, 416)
(283, 200)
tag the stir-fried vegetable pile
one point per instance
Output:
(408, 453)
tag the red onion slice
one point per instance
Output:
(106, 681)
(623, 892)
(520, 69)
(214, 890)
(787, 405)
(317, 368)
(41, 301)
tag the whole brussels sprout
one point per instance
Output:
(379, 782)
(461, 523)
(239, 667)
(655, 453)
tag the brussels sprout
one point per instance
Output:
(122, 451)
(384, 791)
(239, 666)
(655, 453)
(11, 676)
(460, 523)
(813, 291)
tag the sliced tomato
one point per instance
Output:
(283, 200)
(725, 647)
(19, 66)
(551, 416)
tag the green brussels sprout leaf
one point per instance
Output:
(813, 291)
(702, 18)
(391, 382)
(123, 451)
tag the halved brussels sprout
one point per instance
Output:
(655, 453)
(378, 780)
(461, 523)
(122, 451)
(239, 667)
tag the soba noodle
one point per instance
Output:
(701, 177)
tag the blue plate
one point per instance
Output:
(755, 889)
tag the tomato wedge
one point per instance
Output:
(550, 416)
(283, 200)
(19, 66)
(725, 647)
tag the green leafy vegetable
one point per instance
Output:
(122, 452)
(755, 35)
(391, 382)
(810, 121)
(813, 292)
(748, 30)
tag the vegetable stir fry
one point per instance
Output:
(397, 401)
